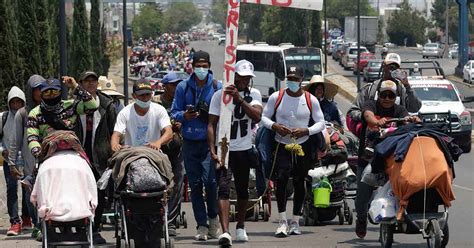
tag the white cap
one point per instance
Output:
(244, 68)
(388, 85)
(392, 58)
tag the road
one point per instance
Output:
(461, 219)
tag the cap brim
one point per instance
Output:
(294, 75)
(112, 93)
(141, 92)
(51, 87)
(391, 62)
(391, 90)
(246, 74)
(88, 75)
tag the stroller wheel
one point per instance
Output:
(185, 221)
(340, 214)
(266, 212)
(386, 235)
(162, 243)
(350, 217)
(445, 241)
(132, 244)
(170, 243)
(434, 234)
(232, 213)
(256, 212)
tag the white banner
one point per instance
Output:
(299, 4)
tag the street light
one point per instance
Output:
(125, 55)
(358, 46)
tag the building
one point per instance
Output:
(420, 5)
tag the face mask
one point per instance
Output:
(293, 86)
(53, 101)
(201, 72)
(142, 104)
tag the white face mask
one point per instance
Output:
(143, 104)
(293, 86)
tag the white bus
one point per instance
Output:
(270, 63)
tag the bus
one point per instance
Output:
(270, 63)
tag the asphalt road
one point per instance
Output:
(461, 217)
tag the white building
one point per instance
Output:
(421, 5)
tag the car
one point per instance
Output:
(468, 72)
(453, 51)
(439, 95)
(155, 80)
(337, 48)
(432, 50)
(371, 71)
(364, 59)
(221, 40)
(350, 55)
(331, 46)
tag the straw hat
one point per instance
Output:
(107, 86)
(330, 89)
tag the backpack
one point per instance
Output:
(4, 120)
(337, 152)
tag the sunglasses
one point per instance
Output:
(393, 67)
(387, 95)
(51, 92)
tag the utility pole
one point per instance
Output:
(325, 38)
(358, 46)
(446, 33)
(125, 53)
(62, 45)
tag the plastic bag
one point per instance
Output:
(104, 179)
(372, 179)
(385, 204)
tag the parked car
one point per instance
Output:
(364, 59)
(331, 46)
(468, 72)
(371, 71)
(439, 95)
(432, 50)
(155, 80)
(338, 50)
(350, 55)
(453, 51)
(221, 40)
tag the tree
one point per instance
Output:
(412, 27)
(316, 34)
(95, 37)
(252, 15)
(8, 51)
(28, 41)
(105, 57)
(438, 12)
(341, 8)
(181, 17)
(43, 31)
(54, 36)
(81, 59)
(218, 11)
(148, 23)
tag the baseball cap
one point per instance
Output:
(392, 58)
(51, 83)
(142, 86)
(244, 68)
(36, 80)
(171, 78)
(87, 74)
(201, 56)
(388, 85)
(295, 71)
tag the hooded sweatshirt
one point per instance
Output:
(20, 138)
(8, 136)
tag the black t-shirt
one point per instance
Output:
(397, 111)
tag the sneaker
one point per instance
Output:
(15, 230)
(214, 228)
(282, 230)
(361, 228)
(37, 235)
(202, 233)
(294, 228)
(98, 239)
(241, 235)
(171, 230)
(26, 223)
(225, 240)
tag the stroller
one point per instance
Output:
(143, 179)
(65, 192)
(422, 182)
(335, 167)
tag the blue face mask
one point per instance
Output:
(201, 72)
(293, 86)
(142, 104)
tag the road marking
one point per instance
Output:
(461, 187)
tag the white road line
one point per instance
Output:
(461, 187)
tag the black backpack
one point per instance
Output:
(4, 120)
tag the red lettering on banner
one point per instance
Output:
(233, 17)
(283, 3)
(228, 69)
(234, 4)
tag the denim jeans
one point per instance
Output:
(201, 173)
(32, 211)
(364, 193)
(12, 196)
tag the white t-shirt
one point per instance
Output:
(293, 112)
(241, 130)
(141, 130)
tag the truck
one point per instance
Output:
(368, 30)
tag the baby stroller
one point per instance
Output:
(421, 181)
(65, 192)
(335, 167)
(142, 178)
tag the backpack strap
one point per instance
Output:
(4, 120)
(307, 95)
(281, 93)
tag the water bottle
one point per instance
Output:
(20, 162)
